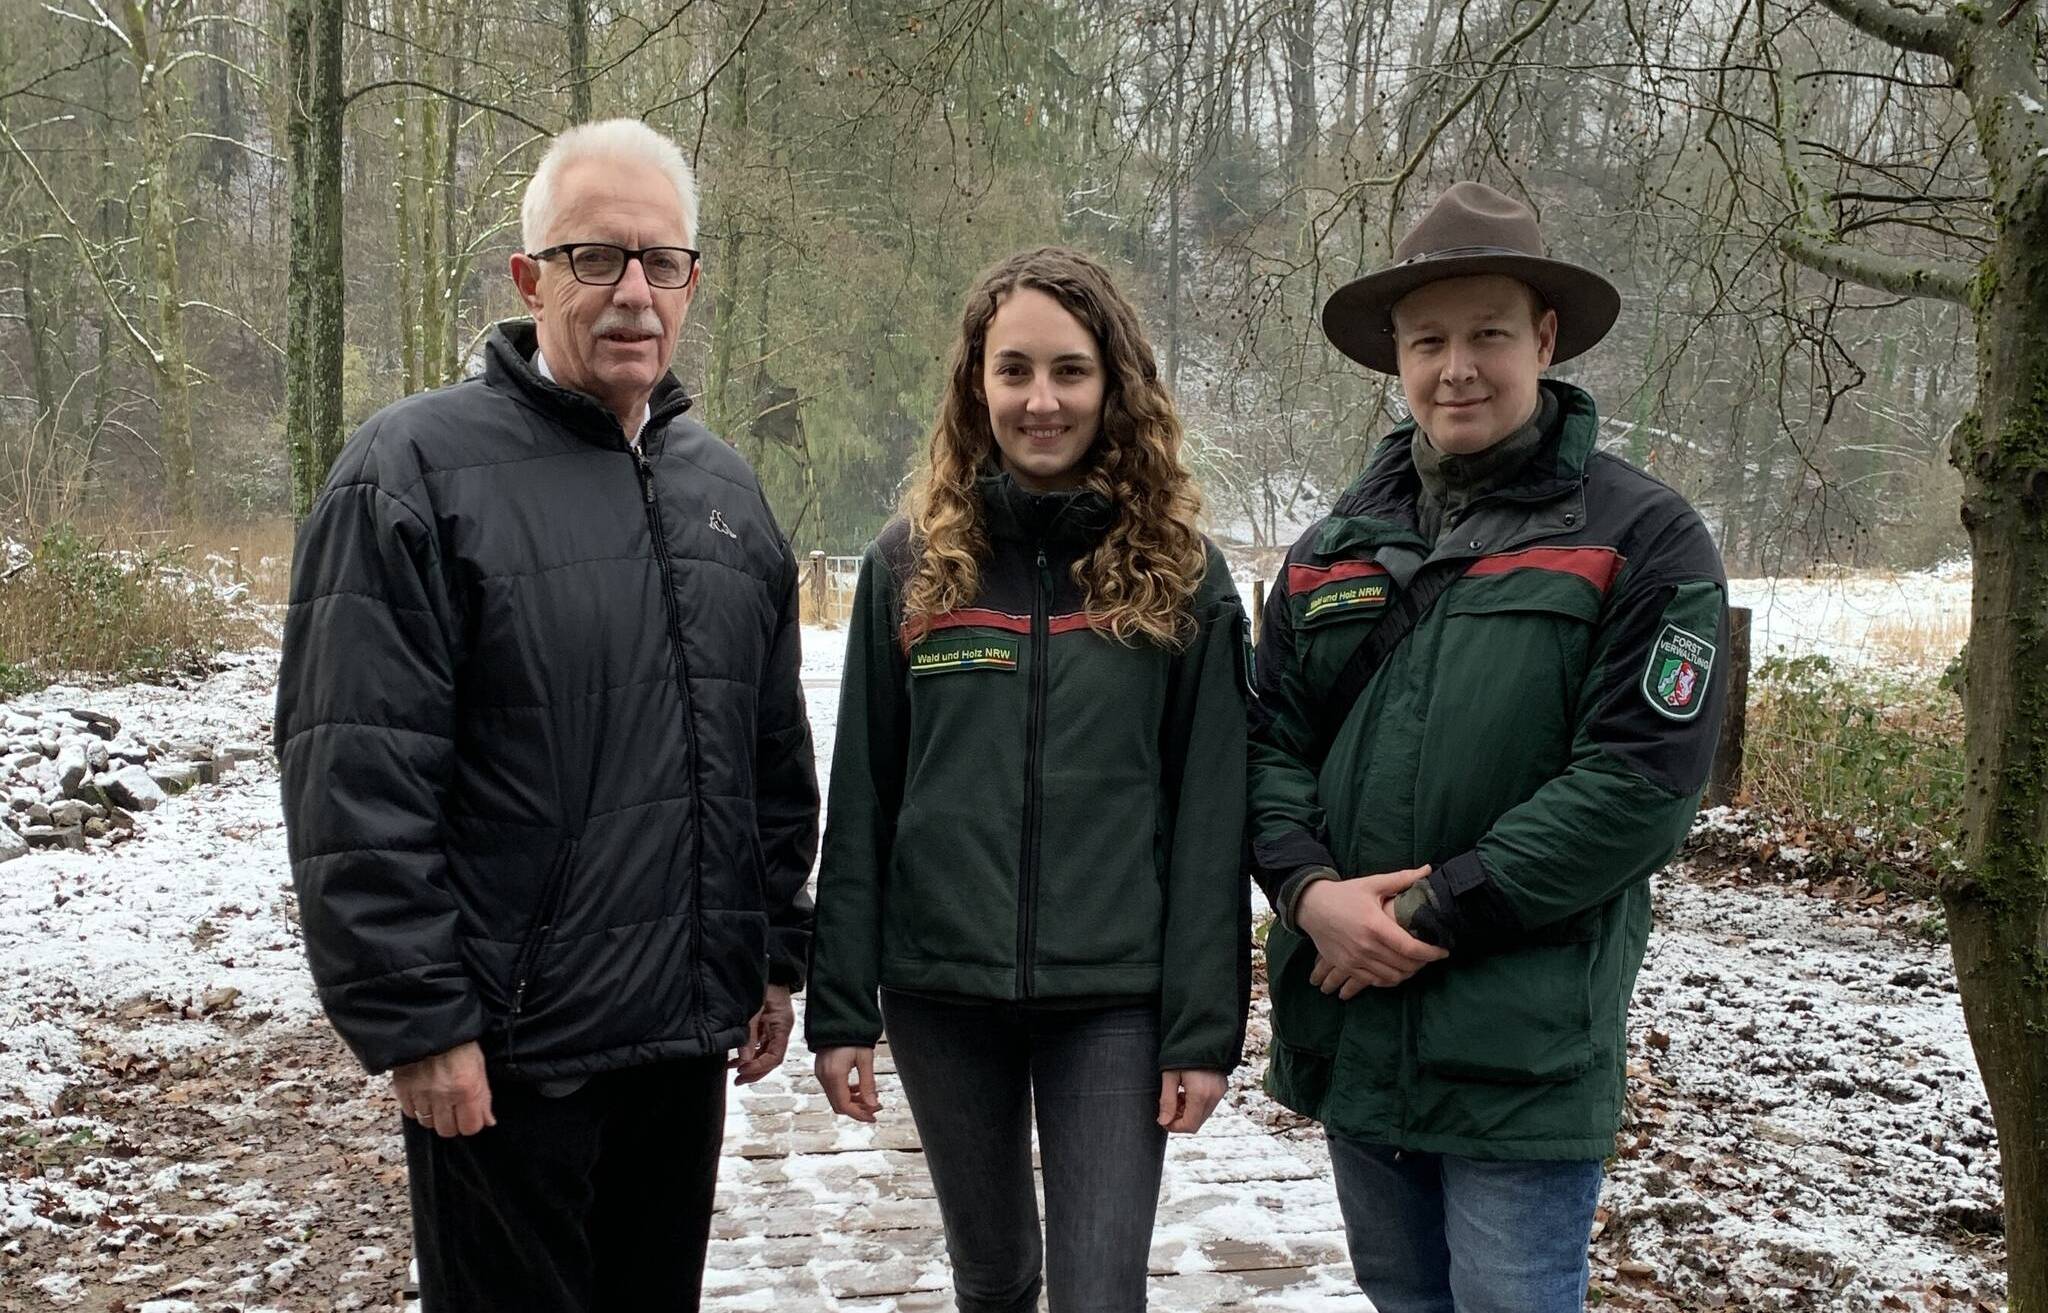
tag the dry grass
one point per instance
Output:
(124, 602)
(1929, 641)
(255, 553)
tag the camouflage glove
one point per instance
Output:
(1291, 891)
(1418, 910)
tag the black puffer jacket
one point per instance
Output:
(547, 774)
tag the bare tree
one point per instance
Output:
(1997, 903)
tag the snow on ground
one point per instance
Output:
(199, 906)
(1862, 618)
(1809, 1130)
(1807, 1127)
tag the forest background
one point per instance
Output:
(861, 162)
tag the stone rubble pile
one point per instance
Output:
(70, 778)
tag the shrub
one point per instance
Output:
(1865, 766)
(75, 605)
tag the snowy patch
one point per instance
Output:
(1917, 620)
(1807, 1128)
(155, 932)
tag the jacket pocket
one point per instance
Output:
(1514, 659)
(533, 945)
(1522, 1017)
(1334, 607)
(1304, 1017)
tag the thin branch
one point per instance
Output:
(40, 78)
(1399, 179)
(102, 21)
(445, 94)
(254, 331)
(1892, 198)
(172, 64)
(232, 141)
(1868, 75)
(711, 79)
(1902, 276)
(84, 251)
(1904, 29)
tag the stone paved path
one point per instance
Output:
(818, 1213)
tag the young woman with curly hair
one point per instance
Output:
(1037, 806)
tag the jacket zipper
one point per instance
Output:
(553, 895)
(1034, 774)
(675, 643)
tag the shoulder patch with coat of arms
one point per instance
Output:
(1675, 678)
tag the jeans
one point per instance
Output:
(972, 1073)
(1431, 1233)
(596, 1201)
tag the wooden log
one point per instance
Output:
(1725, 783)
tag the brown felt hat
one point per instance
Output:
(1472, 229)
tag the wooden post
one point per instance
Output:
(819, 593)
(1258, 607)
(1726, 781)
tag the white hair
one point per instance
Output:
(627, 140)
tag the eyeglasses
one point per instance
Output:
(602, 264)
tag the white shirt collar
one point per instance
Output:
(540, 366)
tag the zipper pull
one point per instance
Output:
(646, 475)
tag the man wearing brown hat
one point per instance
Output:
(1489, 690)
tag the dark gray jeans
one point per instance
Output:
(972, 1073)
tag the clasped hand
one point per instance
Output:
(1358, 942)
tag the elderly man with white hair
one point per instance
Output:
(547, 775)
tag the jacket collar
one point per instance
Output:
(508, 366)
(1390, 486)
(1075, 518)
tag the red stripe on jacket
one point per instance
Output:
(981, 617)
(1596, 565)
(1307, 578)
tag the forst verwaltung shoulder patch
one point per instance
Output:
(1675, 677)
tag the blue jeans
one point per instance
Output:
(972, 1073)
(1430, 1233)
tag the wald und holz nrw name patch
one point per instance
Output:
(950, 656)
(1350, 595)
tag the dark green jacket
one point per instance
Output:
(1023, 808)
(1541, 739)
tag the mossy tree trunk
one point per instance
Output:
(1997, 904)
(314, 287)
(1998, 908)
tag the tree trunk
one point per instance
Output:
(314, 288)
(41, 376)
(1998, 906)
(1175, 181)
(160, 241)
(446, 272)
(406, 221)
(1301, 90)
(579, 61)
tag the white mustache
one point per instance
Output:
(616, 320)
